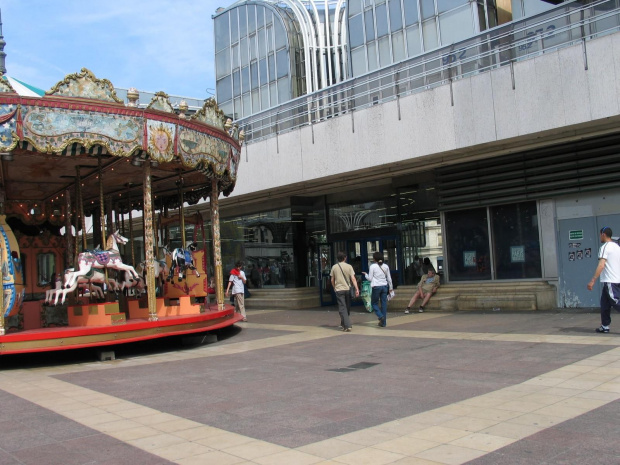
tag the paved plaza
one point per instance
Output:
(288, 387)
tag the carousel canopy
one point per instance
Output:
(80, 127)
(23, 89)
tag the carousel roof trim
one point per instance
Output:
(80, 116)
(85, 85)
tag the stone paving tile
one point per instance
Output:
(288, 382)
(591, 438)
(412, 376)
(39, 436)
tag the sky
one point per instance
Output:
(152, 45)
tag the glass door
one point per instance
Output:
(326, 260)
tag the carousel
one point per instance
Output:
(94, 233)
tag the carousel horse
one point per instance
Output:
(49, 294)
(181, 259)
(82, 282)
(126, 282)
(109, 258)
(160, 269)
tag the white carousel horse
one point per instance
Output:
(83, 282)
(181, 259)
(110, 258)
(49, 294)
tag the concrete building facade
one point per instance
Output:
(504, 147)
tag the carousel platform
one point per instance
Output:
(97, 325)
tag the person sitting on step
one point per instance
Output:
(426, 288)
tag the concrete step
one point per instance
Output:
(289, 298)
(524, 295)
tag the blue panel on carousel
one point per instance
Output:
(12, 272)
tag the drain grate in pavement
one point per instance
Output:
(355, 366)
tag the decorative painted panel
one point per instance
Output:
(160, 138)
(198, 148)
(8, 123)
(51, 130)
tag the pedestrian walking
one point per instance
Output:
(381, 284)
(237, 281)
(609, 271)
(343, 278)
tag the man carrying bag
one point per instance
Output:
(343, 282)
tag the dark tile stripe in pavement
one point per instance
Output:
(562, 323)
(30, 434)
(290, 396)
(589, 439)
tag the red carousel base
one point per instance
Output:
(101, 325)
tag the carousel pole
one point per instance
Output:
(76, 237)
(217, 251)
(69, 254)
(181, 211)
(165, 232)
(102, 216)
(80, 206)
(110, 217)
(148, 243)
(130, 224)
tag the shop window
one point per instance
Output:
(467, 236)
(516, 243)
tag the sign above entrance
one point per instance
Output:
(575, 234)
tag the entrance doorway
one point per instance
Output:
(359, 256)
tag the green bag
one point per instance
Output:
(366, 295)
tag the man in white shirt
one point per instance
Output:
(609, 270)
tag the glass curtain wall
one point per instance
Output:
(382, 32)
(500, 242)
(253, 53)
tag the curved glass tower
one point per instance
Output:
(268, 52)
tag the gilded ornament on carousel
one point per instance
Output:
(161, 139)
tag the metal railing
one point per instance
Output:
(567, 25)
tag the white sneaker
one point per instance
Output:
(421, 310)
(407, 311)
